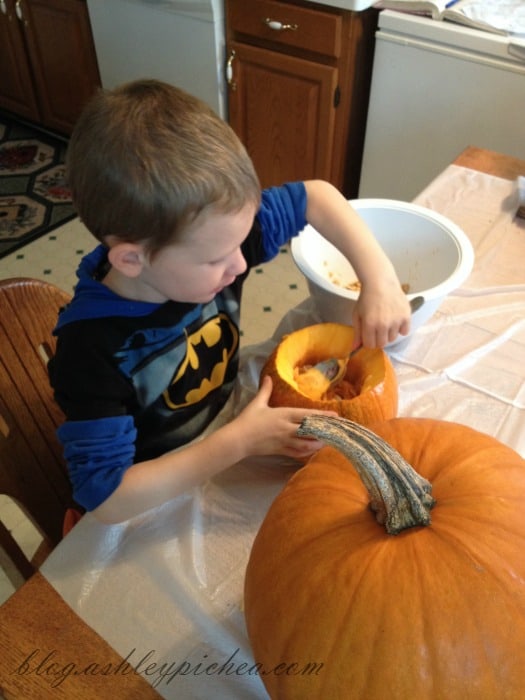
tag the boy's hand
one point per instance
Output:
(270, 431)
(380, 316)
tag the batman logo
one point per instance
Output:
(207, 364)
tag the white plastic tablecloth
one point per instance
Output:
(165, 589)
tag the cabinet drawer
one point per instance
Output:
(304, 28)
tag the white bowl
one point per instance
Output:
(430, 254)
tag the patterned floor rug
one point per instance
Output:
(34, 197)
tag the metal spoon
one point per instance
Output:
(334, 369)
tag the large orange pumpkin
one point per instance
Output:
(338, 609)
(370, 372)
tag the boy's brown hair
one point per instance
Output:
(145, 159)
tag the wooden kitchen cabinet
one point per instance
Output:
(298, 86)
(49, 66)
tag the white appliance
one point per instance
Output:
(178, 41)
(438, 87)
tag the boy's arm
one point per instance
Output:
(257, 430)
(382, 310)
(148, 484)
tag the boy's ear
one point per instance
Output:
(127, 258)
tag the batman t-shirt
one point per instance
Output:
(136, 379)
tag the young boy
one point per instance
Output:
(148, 348)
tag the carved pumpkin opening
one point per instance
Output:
(367, 391)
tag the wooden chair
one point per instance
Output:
(32, 469)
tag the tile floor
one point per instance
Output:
(269, 292)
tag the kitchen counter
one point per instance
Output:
(356, 5)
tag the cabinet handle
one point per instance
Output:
(229, 71)
(279, 26)
(20, 13)
(3, 8)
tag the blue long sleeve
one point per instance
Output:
(97, 452)
(282, 215)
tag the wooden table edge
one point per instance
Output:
(48, 652)
(491, 162)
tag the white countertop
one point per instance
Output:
(356, 5)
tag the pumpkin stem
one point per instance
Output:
(399, 496)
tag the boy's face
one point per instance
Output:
(207, 259)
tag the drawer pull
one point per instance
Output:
(279, 26)
(20, 13)
(229, 71)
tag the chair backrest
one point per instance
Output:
(32, 469)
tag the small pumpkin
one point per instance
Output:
(370, 373)
(346, 611)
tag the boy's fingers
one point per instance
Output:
(265, 389)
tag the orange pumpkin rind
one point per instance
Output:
(433, 612)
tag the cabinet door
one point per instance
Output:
(282, 109)
(62, 56)
(16, 87)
